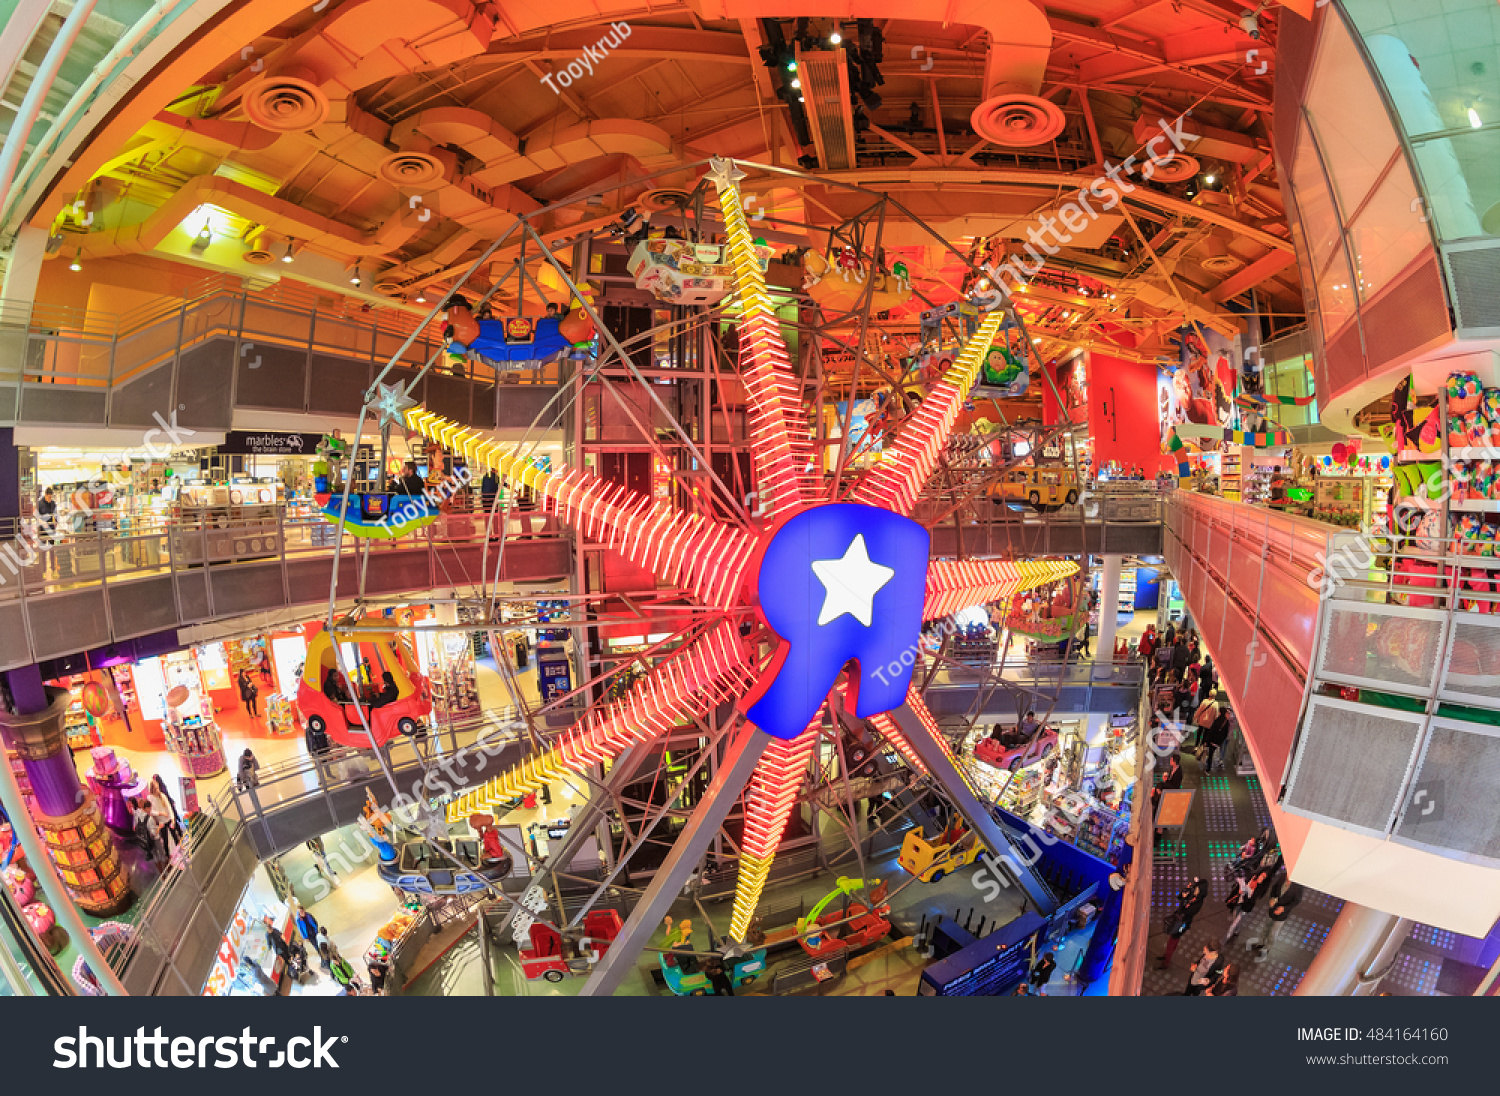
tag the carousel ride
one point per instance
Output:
(781, 592)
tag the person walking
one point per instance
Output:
(718, 977)
(145, 833)
(249, 768)
(343, 974)
(1214, 739)
(1206, 677)
(1204, 717)
(326, 950)
(320, 859)
(1242, 902)
(1189, 902)
(46, 520)
(1206, 970)
(1041, 974)
(1284, 898)
(248, 693)
(307, 925)
(166, 825)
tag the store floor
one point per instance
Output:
(1228, 810)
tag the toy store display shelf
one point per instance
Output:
(1475, 506)
(1467, 452)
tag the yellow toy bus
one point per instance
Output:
(1046, 488)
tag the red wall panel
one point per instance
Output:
(1123, 419)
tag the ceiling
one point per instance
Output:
(393, 140)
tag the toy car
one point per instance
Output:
(930, 861)
(860, 925)
(383, 652)
(1002, 751)
(545, 958)
(742, 970)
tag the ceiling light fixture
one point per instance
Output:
(796, 82)
(75, 264)
(835, 37)
(1474, 120)
(286, 256)
(1210, 179)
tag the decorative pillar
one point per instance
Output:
(1356, 955)
(62, 808)
(1109, 607)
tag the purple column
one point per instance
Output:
(54, 783)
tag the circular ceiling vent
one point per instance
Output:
(285, 104)
(411, 169)
(259, 256)
(390, 289)
(1017, 121)
(1177, 168)
(665, 198)
(1220, 264)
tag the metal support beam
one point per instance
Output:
(1359, 951)
(975, 813)
(740, 759)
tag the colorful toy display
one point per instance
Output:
(377, 514)
(842, 284)
(1011, 749)
(516, 342)
(548, 955)
(849, 928)
(682, 272)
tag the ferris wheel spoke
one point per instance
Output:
(714, 669)
(909, 463)
(768, 805)
(957, 584)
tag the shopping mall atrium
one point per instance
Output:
(736, 497)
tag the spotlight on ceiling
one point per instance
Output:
(354, 277)
(202, 240)
(1210, 179)
(286, 256)
(835, 37)
(75, 264)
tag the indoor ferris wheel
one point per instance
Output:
(789, 582)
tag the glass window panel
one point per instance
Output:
(1387, 234)
(1437, 60)
(1335, 295)
(1315, 212)
(1354, 133)
(1462, 184)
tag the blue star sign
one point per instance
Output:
(838, 583)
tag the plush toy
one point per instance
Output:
(1464, 393)
(1416, 428)
(1492, 414)
(1482, 480)
(1461, 480)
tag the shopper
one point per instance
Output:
(249, 770)
(145, 836)
(1041, 974)
(389, 692)
(342, 973)
(1227, 984)
(1183, 696)
(1182, 655)
(167, 830)
(326, 949)
(46, 520)
(379, 970)
(1210, 964)
(1214, 739)
(1204, 717)
(320, 859)
(1206, 677)
(1171, 780)
(308, 925)
(248, 693)
(1029, 725)
(1189, 903)
(1284, 898)
(1242, 902)
(411, 483)
(489, 489)
(263, 663)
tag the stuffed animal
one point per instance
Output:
(1482, 480)
(1492, 414)
(1464, 393)
(1415, 428)
(1461, 480)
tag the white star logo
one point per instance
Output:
(851, 583)
(723, 173)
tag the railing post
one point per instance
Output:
(177, 358)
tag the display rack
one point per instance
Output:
(23, 780)
(125, 685)
(1229, 473)
(282, 715)
(195, 739)
(80, 729)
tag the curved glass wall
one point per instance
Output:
(1441, 71)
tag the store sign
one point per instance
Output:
(840, 582)
(227, 962)
(269, 443)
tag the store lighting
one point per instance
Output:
(421, 297)
(75, 264)
(286, 256)
(1474, 120)
(1209, 179)
(835, 37)
(801, 98)
(791, 66)
(796, 82)
(203, 239)
(354, 278)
